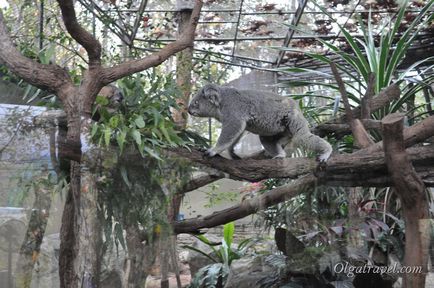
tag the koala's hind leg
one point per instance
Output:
(273, 145)
(312, 142)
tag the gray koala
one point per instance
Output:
(276, 119)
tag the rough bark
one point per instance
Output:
(247, 207)
(356, 169)
(184, 67)
(365, 105)
(48, 77)
(84, 38)
(412, 193)
(412, 135)
(30, 248)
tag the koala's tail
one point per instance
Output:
(302, 136)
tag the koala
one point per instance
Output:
(114, 97)
(277, 120)
(113, 94)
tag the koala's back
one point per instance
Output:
(263, 111)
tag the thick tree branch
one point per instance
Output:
(84, 38)
(417, 133)
(349, 170)
(247, 207)
(47, 77)
(185, 40)
(412, 194)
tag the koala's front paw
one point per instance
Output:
(209, 153)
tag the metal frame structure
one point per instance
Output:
(128, 34)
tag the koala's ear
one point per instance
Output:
(212, 93)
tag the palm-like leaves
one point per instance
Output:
(381, 57)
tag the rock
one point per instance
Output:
(197, 260)
(253, 271)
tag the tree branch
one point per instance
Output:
(246, 207)
(412, 135)
(200, 181)
(365, 105)
(84, 38)
(360, 134)
(47, 77)
(349, 170)
(185, 40)
(382, 99)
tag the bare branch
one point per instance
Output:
(47, 77)
(360, 134)
(412, 135)
(246, 207)
(367, 98)
(185, 40)
(84, 38)
(200, 181)
(349, 170)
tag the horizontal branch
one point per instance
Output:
(341, 129)
(349, 170)
(415, 134)
(47, 77)
(246, 207)
(185, 40)
(84, 38)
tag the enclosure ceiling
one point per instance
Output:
(252, 33)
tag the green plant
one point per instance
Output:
(144, 119)
(215, 275)
(367, 55)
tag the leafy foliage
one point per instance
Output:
(370, 55)
(215, 275)
(144, 119)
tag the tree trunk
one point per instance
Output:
(30, 248)
(412, 193)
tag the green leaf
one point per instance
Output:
(152, 153)
(120, 139)
(101, 100)
(124, 175)
(119, 234)
(228, 233)
(136, 136)
(94, 130)
(200, 252)
(140, 122)
(107, 136)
